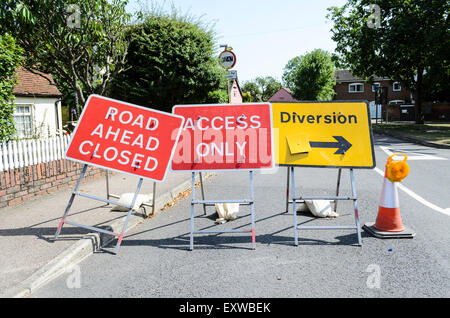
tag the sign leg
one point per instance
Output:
(252, 197)
(355, 204)
(337, 189)
(119, 241)
(294, 206)
(107, 184)
(287, 189)
(203, 193)
(191, 237)
(72, 197)
(154, 198)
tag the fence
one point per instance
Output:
(23, 153)
(32, 168)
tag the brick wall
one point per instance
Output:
(342, 92)
(18, 185)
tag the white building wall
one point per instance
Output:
(46, 117)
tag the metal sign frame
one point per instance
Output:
(205, 203)
(301, 199)
(75, 192)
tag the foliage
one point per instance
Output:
(252, 89)
(79, 42)
(436, 81)
(10, 57)
(246, 97)
(408, 38)
(289, 72)
(311, 76)
(219, 96)
(171, 60)
(262, 88)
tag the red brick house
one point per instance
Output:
(349, 87)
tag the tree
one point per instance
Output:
(399, 39)
(436, 82)
(10, 57)
(311, 76)
(252, 89)
(171, 60)
(268, 85)
(80, 42)
(289, 72)
(261, 88)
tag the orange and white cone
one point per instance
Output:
(389, 219)
(389, 222)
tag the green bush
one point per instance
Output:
(10, 57)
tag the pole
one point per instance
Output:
(294, 206)
(355, 206)
(287, 190)
(252, 197)
(203, 193)
(337, 189)
(191, 236)
(107, 184)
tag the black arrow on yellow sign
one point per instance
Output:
(342, 145)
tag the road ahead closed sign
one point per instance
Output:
(124, 137)
(323, 134)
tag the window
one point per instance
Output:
(396, 87)
(356, 88)
(23, 121)
(374, 86)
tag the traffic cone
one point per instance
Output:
(389, 222)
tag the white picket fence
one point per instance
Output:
(22, 153)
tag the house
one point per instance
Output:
(235, 92)
(284, 94)
(349, 87)
(38, 105)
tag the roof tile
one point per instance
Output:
(30, 84)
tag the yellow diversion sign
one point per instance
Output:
(323, 134)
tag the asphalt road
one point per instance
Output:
(154, 260)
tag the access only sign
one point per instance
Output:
(225, 137)
(124, 137)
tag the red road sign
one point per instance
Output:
(227, 59)
(225, 137)
(124, 137)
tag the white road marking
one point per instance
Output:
(418, 197)
(412, 155)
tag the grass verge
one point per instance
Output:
(437, 133)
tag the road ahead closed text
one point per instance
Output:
(124, 137)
